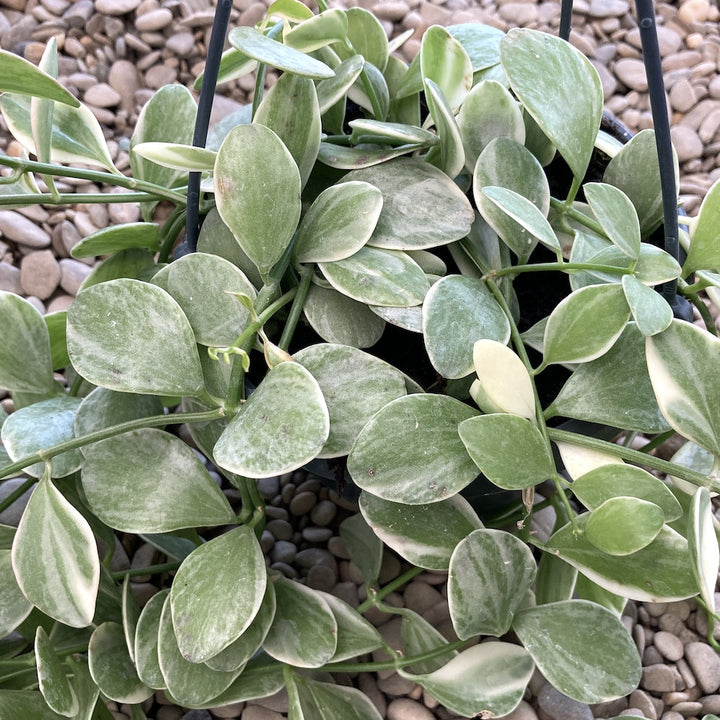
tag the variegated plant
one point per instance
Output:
(333, 207)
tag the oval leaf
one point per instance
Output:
(449, 155)
(283, 425)
(703, 544)
(366, 385)
(703, 253)
(617, 216)
(560, 89)
(355, 635)
(177, 156)
(20, 76)
(424, 535)
(649, 309)
(503, 382)
(118, 237)
(14, 606)
(458, 311)
(326, 701)
(443, 60)
(364, 546)
(25, 336)
(271, 52)
(159, 355)
(490, 573)
(206, 621)
(338, 223)
(257, 191)
(146, 642)
(304, 631)
(599, 660)
(52, 678)
(55, 558)
(510, 450)
(410, 451)
(624, 525)
(149, 481)
(317, 31)
(585, 325)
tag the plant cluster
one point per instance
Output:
(358, 196)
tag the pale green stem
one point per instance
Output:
(566, 267)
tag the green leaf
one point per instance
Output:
(481, 43)
(682, 362)
(703, 253)
(146, 641)
(341, 157)
(129, 263)
(290, 109)
(41, 112)
(25, 704)
(118, 237)
(257, 191)
(283, 425)
(503, 382)
(422, 207)
(365, 386)
(410, 451)
(233, 64)
(150, 481)
(457, 312)
(332, 90)
(443, 60)
(14, 606)
(204, 286)
(207, 621)
(418, 637)
(599, 660)
(655, 266)
(304, 631)
(317, 31)
(25, 336)
(649, 308)
(365, 129)
(378, 277)
(259, 679)
(364, 546)
(52, 679)
(355, 635)
(177, 156)
(588, 590)
(636, 171)
(41, 426)
(617, 216)
(188, 684)
(85, 688)
(424, 535)
(489, 111)
(524, 213)
(336, 318)
(271, 52)
(703, 545)
(556, 580)
(20, 76)
(608, 481)
(624, 525)
(660, 572)
(490, 573)
(103, 408)
(560, 89)
(509, 450)
(327, 701)
(449, 155)
(615, 389)
(237, 654)
(585, 325)
(148, 325)
(55, 558)
(506, 163)
(169, 116)
(367, 36)
(76, 134)
(56, 323)
(130, 615)
(489, 678)
(338, 223)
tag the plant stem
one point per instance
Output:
(394, 664)
(149, 570)
(169, 233)
(378, 595)
(296, 309)
(582, 218)
(76, 198)
(105, 433)
(657, 440)
(566, 267)
(702, 308)
(97, 176)
(17, 493)
(636, 456)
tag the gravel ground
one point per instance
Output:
(115, 53)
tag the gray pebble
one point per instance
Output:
(266, 541)
(316, 534)
(348, 592)
(642, 702)
(102, 95)
(687, 143)
(116, 7)
(322, 578)
(560, 707)
(268, 487)
(315, 556)
(72, 275)
(671, 715)
(631, 73)
(705, 665)
(283, 552)
(19, 229)
(276, 513)
(287, 570)
(407, 709)
(711, 704)
(324, 512)
(336, 545)
(302, 503)
(688, 708)
(658, 678)
(10, 278)
(11, 516)
(281, 529)
(421, 597)
(228, 711)
(668, 645)
(196, 715)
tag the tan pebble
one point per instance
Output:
(640, 700)
(102, 95)
(686, 142)
(683, 59)
(160, 75)
(277, 702)
(23, 231)
(60, 303)
(705, 665)
(394, 10)
(169, 712)
(519, 13)
(182, 44)
(39, 274)
(368, 686)
(668, 645)
(116, 7)
(255, 712)
(228, 711)
(631, 72)
(72, 275)
(79, 13)
(683, 96)
(711, 704)
(694, 40)
(421, 597)
(153, 20)
(694, 11)
(657, 678)
(686, 709)
(407, 709)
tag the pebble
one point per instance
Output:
(658, 678)
(302, 503)
(687, 143)
(560, 707)
(102, 95)
(523, 711)
(10, 278)
(116, 7)
(228, 711)
(322, 577)
(316, 534)
(255, 712)
(668, 645)
(19, 229)
(631, 72)
(705, 665)
(154, 20)
(39, 274)
(323, 513)
(72, 275)
(283, 552)
(406, 709)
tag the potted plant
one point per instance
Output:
(421, 209)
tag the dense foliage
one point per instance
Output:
(447, 204)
